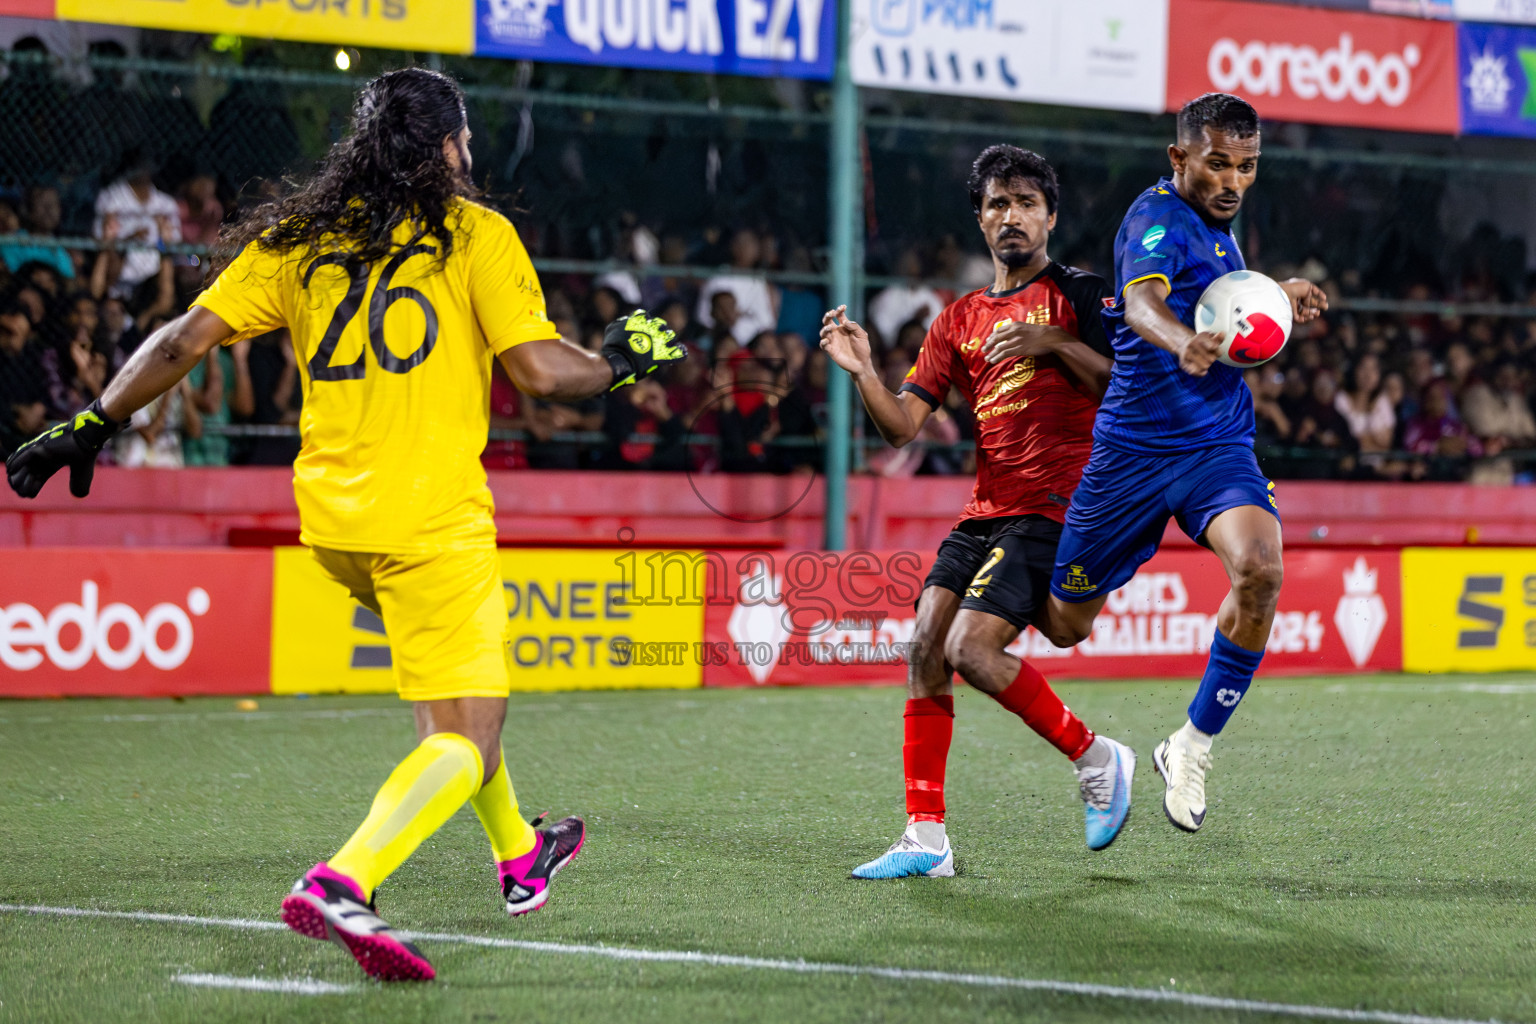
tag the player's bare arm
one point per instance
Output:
(1308, 301)
(156, 367)
(635, 345)
(898, 417)
(555, 369)
(1147, 313)
(162, 361)
(1015, 340)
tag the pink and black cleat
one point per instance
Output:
(326, 904)
(525, 880)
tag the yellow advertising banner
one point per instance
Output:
(441, 26)
(1469, 609)
(574, 625)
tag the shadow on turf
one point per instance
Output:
(1380, 887)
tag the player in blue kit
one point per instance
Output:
(1174, 434)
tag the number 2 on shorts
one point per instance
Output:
(984, 574)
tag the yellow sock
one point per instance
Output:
(496, 804)
(420, 795)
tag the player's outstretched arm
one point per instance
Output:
(165, 357)
(1147, 313)
(1308, 301)
(556, 369)
(897, 417)
(635, 346)
(158, 365)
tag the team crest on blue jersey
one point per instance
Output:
(1077, 582)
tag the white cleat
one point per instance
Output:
(910, 857)
(1183, 768)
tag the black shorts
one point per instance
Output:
(999, 566)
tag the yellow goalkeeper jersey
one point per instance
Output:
(395, 363)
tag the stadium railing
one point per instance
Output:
(66, 122)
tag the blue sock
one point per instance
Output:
(1227, 677)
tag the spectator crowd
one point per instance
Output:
(1355, 395)
(70, 318)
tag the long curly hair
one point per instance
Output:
(390, 169)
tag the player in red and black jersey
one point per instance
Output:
(1030, 356)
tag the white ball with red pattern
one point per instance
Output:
(1251, 313)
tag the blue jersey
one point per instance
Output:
(1152, 406)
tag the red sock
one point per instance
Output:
(1031, 698)
(930, 724)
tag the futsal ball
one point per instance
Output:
(1250, 312)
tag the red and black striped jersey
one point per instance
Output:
(1034, 419)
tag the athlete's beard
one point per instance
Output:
(1013, 259)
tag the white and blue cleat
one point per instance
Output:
(910, 858)
(1106, 793)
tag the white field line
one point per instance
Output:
(287, 986)
(1406, 687)
(994, 981)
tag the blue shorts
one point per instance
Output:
(1121, 509)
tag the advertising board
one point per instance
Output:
(1469, 610)
(130, 623)
(1515, 11)
(819, 618)
(1497, 66)
(148, 622)
(442, 27)
(769, 38)
(1089, 53)
(1316, 66)
(575, 622)
(1407, 8)
(27, 8)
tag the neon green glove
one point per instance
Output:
(637, 345)
(74, 443)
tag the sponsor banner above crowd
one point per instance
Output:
(1345, 62)
(769, 38)
(28, 9)
(1498, 66)
(1088, 53)
(816, 618)
(433, 25)
(1511, 11)
(1409, 8)
(1322, 67)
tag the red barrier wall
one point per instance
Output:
(200, 507)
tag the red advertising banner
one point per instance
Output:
(819, 618)
(28, 8)
(121, 622)
(1317, 66)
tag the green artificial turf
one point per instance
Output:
(1367, 845)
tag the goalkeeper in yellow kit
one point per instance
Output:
(398, 290)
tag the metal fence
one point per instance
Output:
(1404, 226)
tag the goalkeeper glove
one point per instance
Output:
(74, 443)
(637, 345)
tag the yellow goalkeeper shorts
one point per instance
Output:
(445, 615)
